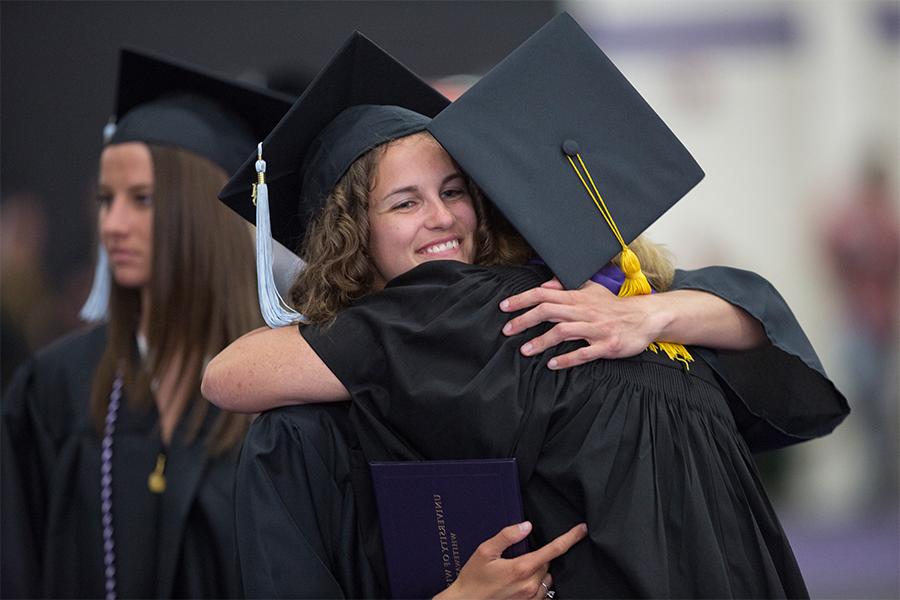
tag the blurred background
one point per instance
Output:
(790, 106)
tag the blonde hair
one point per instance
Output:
(339, 268)
(656, 262)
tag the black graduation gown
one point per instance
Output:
(179, 544)
(649, 455)
(304, 509)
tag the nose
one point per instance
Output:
(115, 217)
(439, 215)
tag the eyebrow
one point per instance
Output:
(142, 187)
(415, 188)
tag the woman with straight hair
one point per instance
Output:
(117, 473)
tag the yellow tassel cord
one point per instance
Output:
(635, 283)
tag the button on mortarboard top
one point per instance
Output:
(570, 147)
(556, 98)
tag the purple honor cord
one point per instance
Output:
(610, 276)
(106, 455)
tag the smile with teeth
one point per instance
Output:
(442, 247)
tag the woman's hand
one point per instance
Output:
(615, 327)
(488, 575)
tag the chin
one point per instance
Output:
(434, 258)
(130, 280)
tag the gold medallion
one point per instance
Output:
(156, 481)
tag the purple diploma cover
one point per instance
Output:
(434, 514)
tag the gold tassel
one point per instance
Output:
(674, 352)
(636, 283)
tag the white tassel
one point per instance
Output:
(109, 130)
(275, 311)
(285, 267)
(97, 304)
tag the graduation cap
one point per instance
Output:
(162, 101)
(569, 151)
(361, 99)
(166, 102)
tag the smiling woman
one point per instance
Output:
(387, 207)
(420, 209)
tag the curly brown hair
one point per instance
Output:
(339, 268)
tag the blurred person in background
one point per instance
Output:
(27, 310)
(117, 474)
(863, 250)
(33, 311)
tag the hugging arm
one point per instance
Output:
(778, 391)
(615, 327)
(784, 394)
(268, 368)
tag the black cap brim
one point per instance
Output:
(360, 73)
(167, 102)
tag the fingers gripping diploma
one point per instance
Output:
(613, 327)
(488, 575)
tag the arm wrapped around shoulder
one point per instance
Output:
(780, 392)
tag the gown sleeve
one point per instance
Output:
(26, 447)
(40, 409)
(779, 393)
(296, 518)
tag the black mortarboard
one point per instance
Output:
(161, 101)
(164, 102)
(558, 97)
(362, 98)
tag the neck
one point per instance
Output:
(144, 321)
(173, 393)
